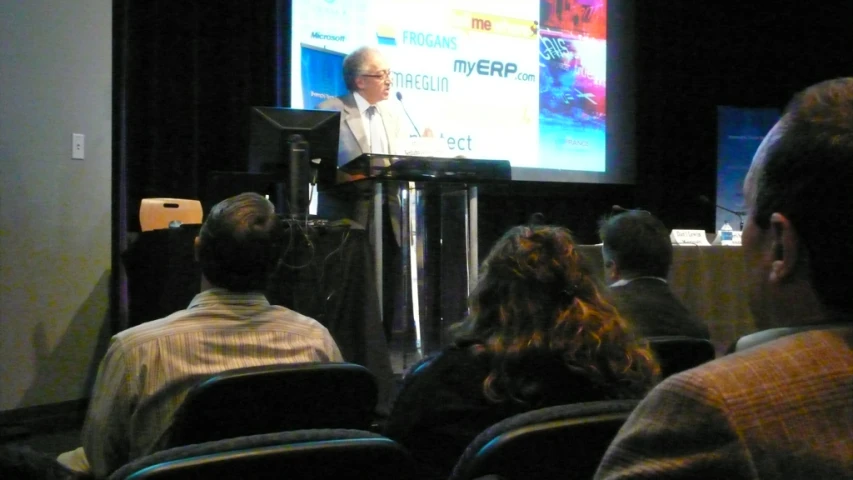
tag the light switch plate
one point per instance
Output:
(78, 148)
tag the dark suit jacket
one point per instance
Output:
(779, 410)
(652, 310)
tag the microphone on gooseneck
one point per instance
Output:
(707, 201)
(400, 98)
(618, 209)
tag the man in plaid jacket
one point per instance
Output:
(782, 409)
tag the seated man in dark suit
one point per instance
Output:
(637, 255)
(149, 369)
(782, 409)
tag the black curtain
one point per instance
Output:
(187, 72)
(693, 56)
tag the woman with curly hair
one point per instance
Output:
(539, 333)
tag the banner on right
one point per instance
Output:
(739, 133)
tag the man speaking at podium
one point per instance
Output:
(368, 125)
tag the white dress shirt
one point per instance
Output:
(374, 125)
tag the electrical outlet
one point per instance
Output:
(78, 148)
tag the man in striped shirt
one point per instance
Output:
(149, 369)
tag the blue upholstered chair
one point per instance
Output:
(321, 454)
(275, 398)
(563, 442)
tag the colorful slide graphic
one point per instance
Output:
(523, 81)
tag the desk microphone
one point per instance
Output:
(707, 201)
(400, 98)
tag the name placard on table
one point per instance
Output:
(688, 237)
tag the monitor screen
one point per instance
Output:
(299, 145)
(226, 184)
(545, 84)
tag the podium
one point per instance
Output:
(437, 273)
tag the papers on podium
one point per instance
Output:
(425, 147)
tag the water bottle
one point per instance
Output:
(726, 236)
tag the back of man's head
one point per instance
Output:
(240, 243)
(638, 242)
(807, 175)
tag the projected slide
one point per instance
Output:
(518, 80)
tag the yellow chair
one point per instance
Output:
(157, 213)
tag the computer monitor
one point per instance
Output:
(226, 184)
(300, 145)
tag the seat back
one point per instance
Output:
(765, 336)
(678, 353)
(562, 442)
(321, 454)
(275, 398)
(157, 213)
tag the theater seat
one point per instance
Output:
(563, 442)
(324, 454)
(764, 336)
(275, 398)
(678, 353)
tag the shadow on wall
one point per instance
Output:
(68, 371)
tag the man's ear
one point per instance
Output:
(359, 83)
(196, 246)
(786, 248)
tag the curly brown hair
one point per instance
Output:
(536, 306)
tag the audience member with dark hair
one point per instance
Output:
(539, 334)
(637, 256)
(782, 409)
(149, 369)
